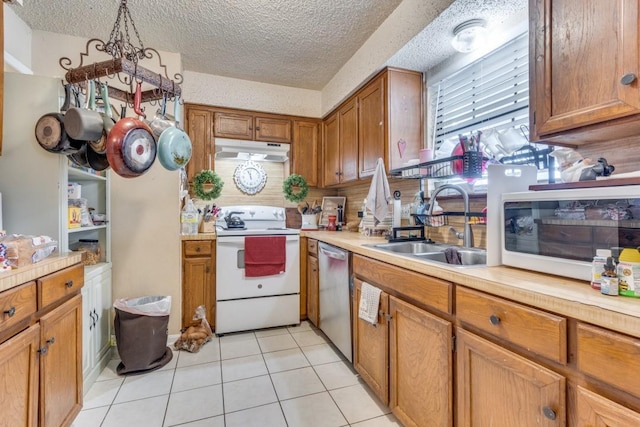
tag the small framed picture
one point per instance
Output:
(330, 207)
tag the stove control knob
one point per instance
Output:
(252, 212)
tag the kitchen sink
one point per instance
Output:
(467, 257)
(411, 247)
(435, 252)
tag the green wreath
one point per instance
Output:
(207, 176)
(295, 180)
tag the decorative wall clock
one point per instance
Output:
(250, 177)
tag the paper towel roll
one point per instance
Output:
(397, 213)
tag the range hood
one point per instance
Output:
(251, 150)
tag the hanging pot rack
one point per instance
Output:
(124, 64)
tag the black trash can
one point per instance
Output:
(141, 327)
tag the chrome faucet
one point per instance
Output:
(467, 235)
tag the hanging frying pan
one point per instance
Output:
(96, 161)
(80, 157)
(174, 145)
(131, 149)
(50, 131)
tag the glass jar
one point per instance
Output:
(91, 249)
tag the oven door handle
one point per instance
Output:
(335, 255)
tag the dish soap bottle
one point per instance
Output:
(189, 219)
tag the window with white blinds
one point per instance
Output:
(492, 92)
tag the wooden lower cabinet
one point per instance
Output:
(19, 371)
(61, 364)
(371, 345)
(313, 283)
(41, 365)
(406, 359)
(496, 387)
(198, 279)
(421, 361)
(591, 409)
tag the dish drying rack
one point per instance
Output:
(441, 219)
(468, 165)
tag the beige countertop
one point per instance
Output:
(52, 263)
(572, 298)
(199, 236)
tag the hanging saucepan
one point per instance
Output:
(84, 124)
(160, 122)
(50, 130)
(100, 144)
(96, 161)
(174, 145)
(131, 149)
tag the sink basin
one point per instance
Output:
(435, 252)
(411, 247)
(467, 257)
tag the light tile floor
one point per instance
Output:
(288, 376)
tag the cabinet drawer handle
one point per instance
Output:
(10, 312)
(549, 413)
(627, 79)
(198, 249)
(494, 320)
(51, 340)
(69, 284)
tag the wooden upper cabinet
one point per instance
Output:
(331, 151)
(390, 120)
(584, 67)
(304, 150)
(348, 136)
(234, 126)
(384, 120)
(199, 123)
(1, 73)
(252, 127)
(371, 140)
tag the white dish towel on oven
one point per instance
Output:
(379, 194)
(369, 302)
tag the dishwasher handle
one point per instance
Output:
(335, 255)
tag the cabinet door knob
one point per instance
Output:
(494, 319)
(257, 127)
(51, 340)
(10, 312)
(549, 413)
(42, 350)
(69, 284)
(627, 79)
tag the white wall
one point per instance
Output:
(235, 93)
(17, 42)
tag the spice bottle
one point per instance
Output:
(609, 285)
(597, 267)
(628, 270)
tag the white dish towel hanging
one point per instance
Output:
(369, 302)
(379, 194)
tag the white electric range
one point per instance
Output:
(246, 303)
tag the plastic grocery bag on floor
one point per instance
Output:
(141, 328)
(197, 334)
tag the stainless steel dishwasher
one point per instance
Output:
(335, 296)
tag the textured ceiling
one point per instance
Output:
(298, 43)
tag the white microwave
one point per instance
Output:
(559, 231)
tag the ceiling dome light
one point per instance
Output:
(469, 35)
